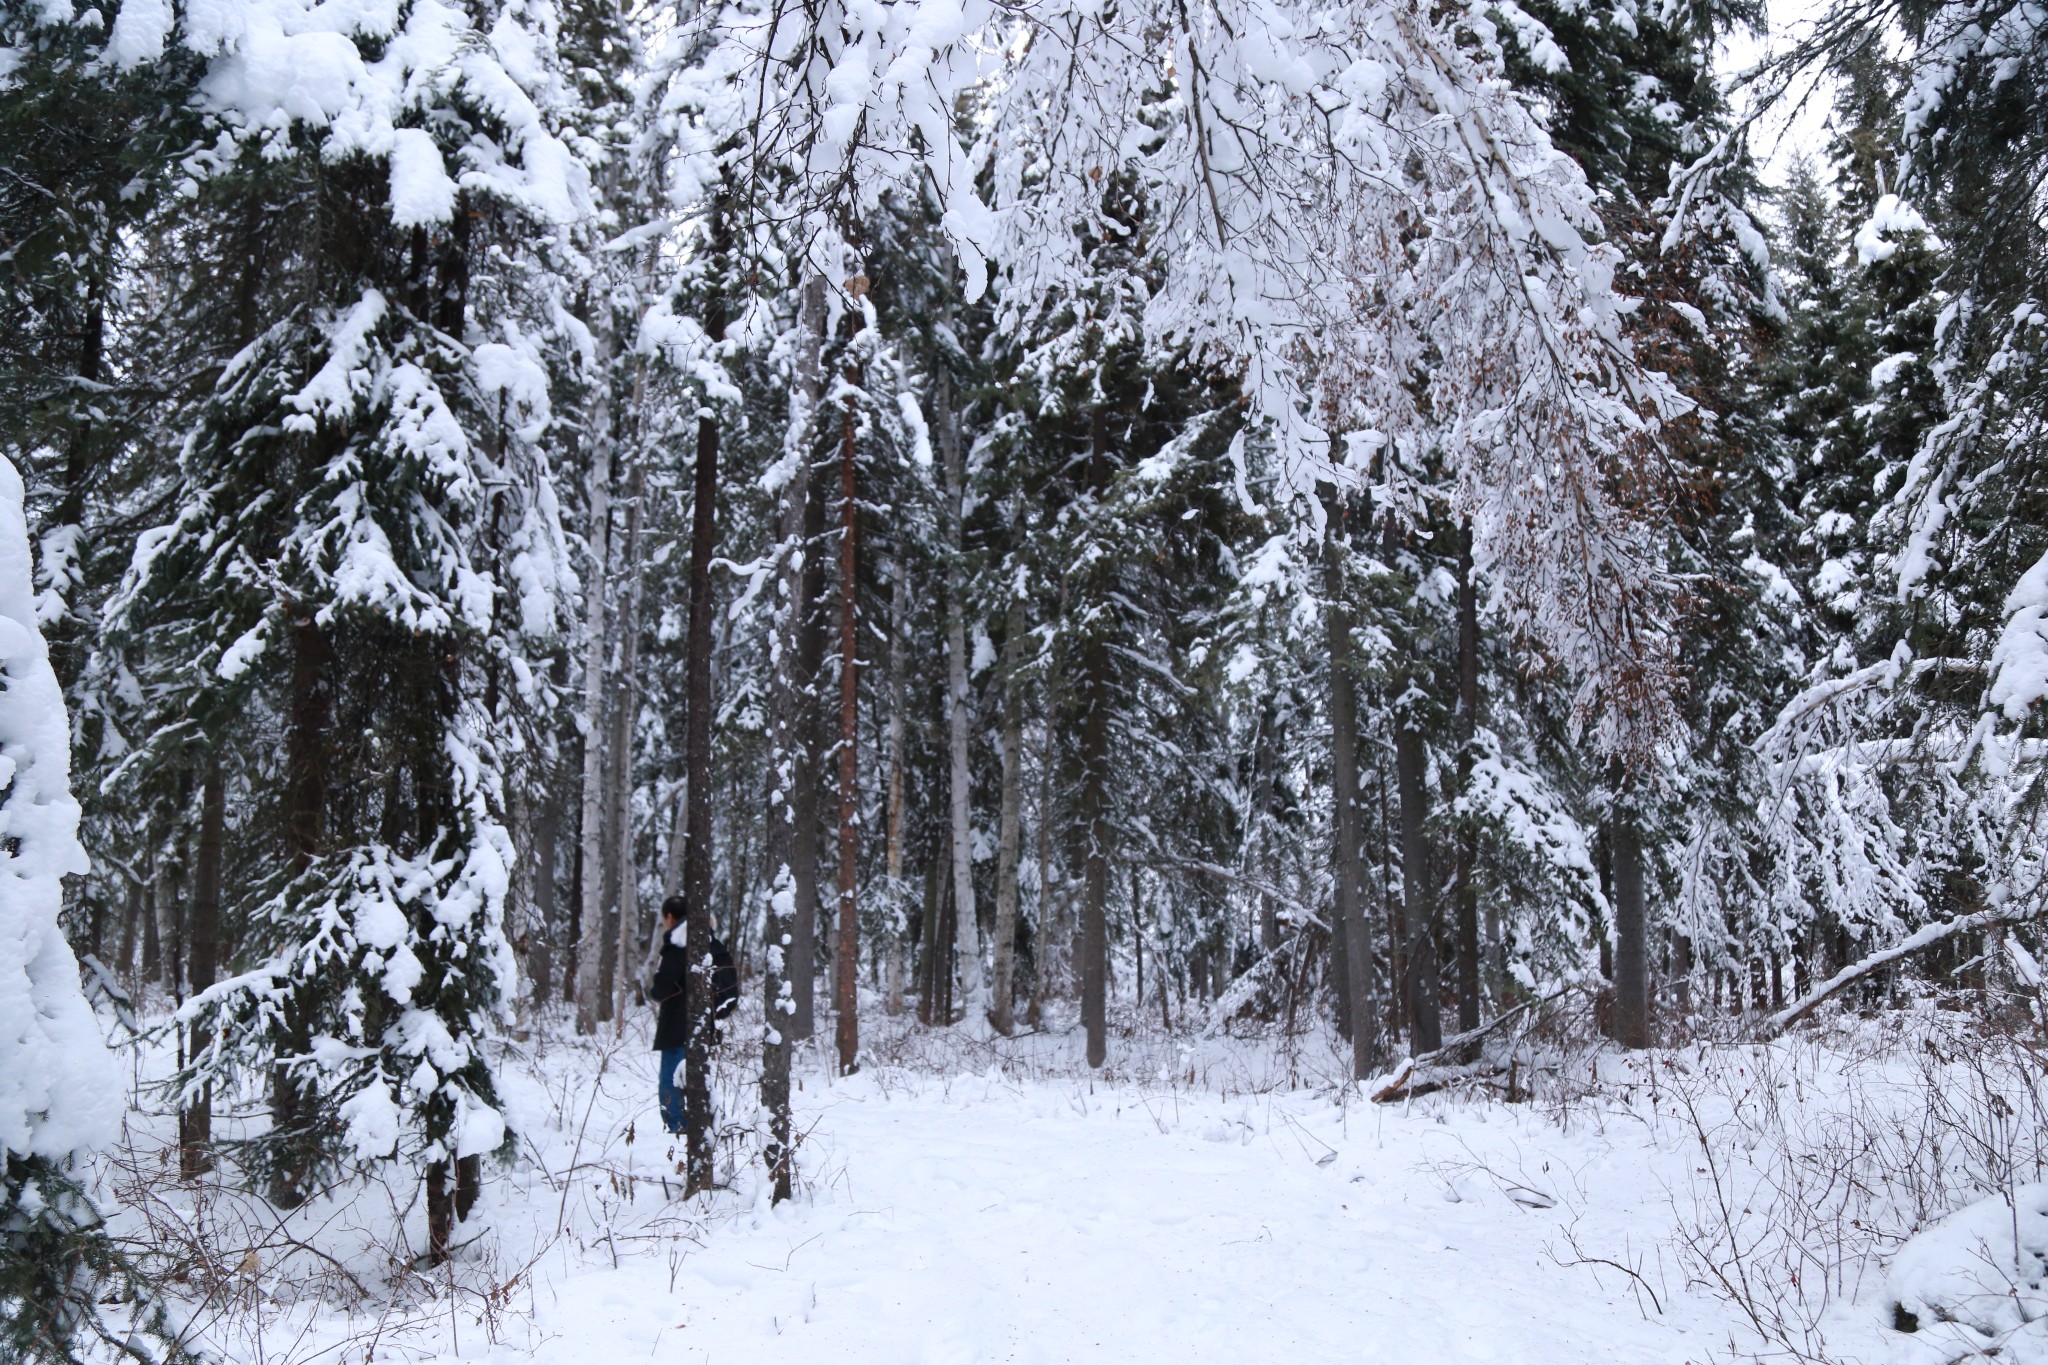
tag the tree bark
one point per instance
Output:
(845, 965)
(1051, 955)
(973, 991)
(1263, 783)
(308, 742)
(899, 619)
(1466, 893)
(547, 830)
(1348, 862)
(590, 894)
(1631, 948)
(786, 774)
(699, 1172)
(625, 707)
(1094, 944)
(930, 956)
(195, 1119)
(808, 754)
(1425, 1011)
(1002, 995)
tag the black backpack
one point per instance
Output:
(725, 981)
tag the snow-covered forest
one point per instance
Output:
(1356, 679)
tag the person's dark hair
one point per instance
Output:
(675, 908)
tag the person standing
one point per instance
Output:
(671, 999)
(672, 1022)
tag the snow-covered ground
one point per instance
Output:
(988, 1201)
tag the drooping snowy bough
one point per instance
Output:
(1370, 227)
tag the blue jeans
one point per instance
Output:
(671, 1093)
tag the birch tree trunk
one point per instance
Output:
(1004, 986)
(590, 893)
(973, 990)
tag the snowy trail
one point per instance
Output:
(1002, 1223)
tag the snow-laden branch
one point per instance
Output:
(1920, 938)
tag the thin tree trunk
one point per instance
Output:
(1264, 781)
(590, 894)
(808, 755)
(928, 1011)
(846, 962)
(1348, 863)
(700, 1172)
(626, 701)
(1466, 893)
(574, 938)
(195, 1119)
(899, 620)
(973, 991)
(547, 830)
(132, 933)
(1002, 1005)
(779, 966)
(1631, 948)
(1094, 945)
(308, 738)
(1050, 957)
(1425, 1010)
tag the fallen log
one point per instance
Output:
(1402, 1080)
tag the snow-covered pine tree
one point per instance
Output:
(60, 1094)
(362, 558)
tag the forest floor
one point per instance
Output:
(987, 1200)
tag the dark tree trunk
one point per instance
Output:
(547, 835)
(1094, 936)
(845, 965)
(445, 1206)
(1353, 960)
(928, 1007)
(782, 967)
(308, 742)
(573, 941)
(1631, 951)
(1425, 1010)
(809, 747)
(1264, 782)
(1466, 892)
(1002, 990)
(195, 1120)
(700, 1174)
(440, 1213)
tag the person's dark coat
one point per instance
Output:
(671, 986)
